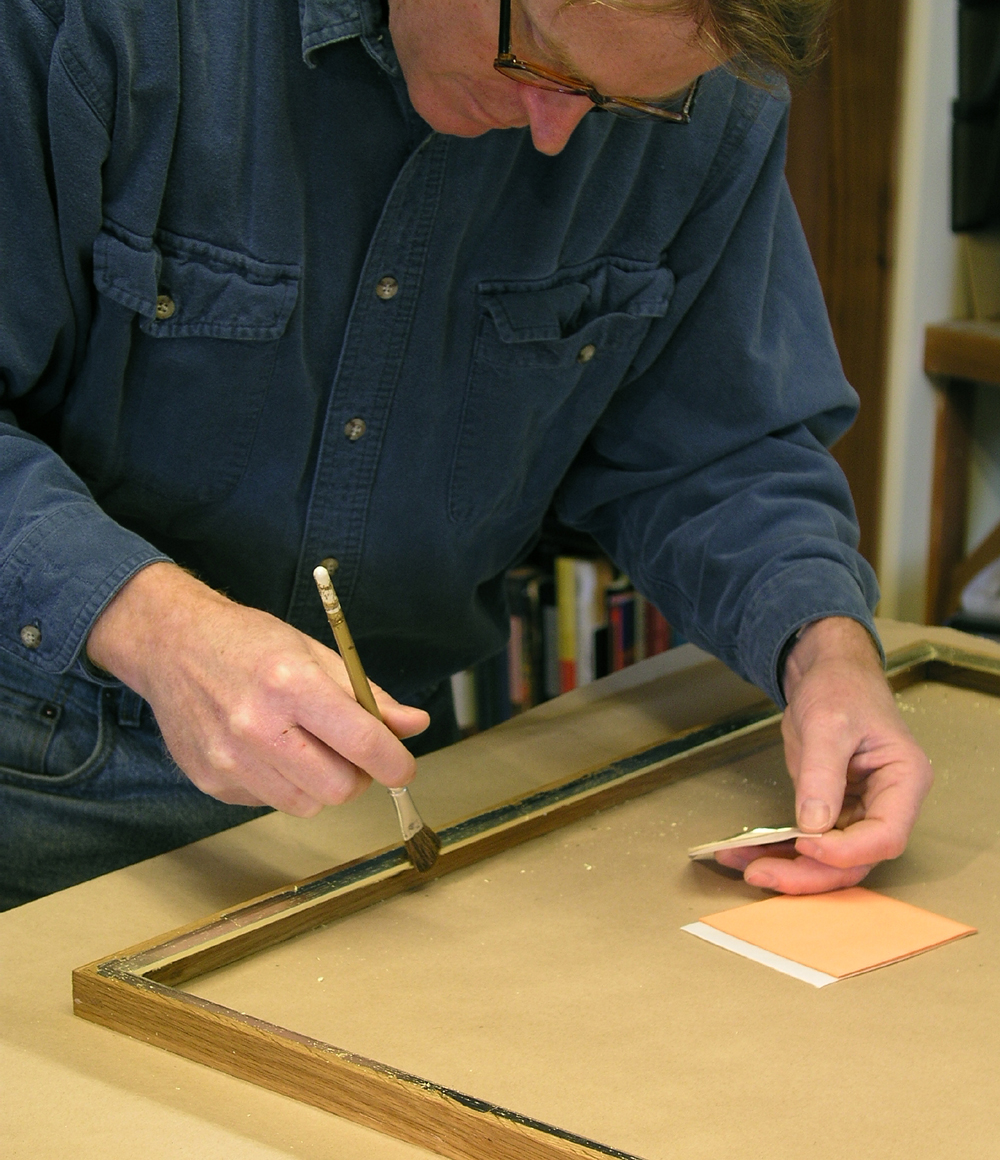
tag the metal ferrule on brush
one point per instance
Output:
(410, 821)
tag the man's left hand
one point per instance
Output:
(859, 776)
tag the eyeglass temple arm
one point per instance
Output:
(503, 43)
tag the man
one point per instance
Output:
(289, 286)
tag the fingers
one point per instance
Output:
(781, 870)
(368, 745)
(801, 875)
(741, 857)
(290, 771)
(889, 803)
(885, 787)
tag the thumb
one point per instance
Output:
(824, 751)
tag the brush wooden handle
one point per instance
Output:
(345, 642)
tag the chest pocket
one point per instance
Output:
(206, 326)
(548, 358)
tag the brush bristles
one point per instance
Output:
(423, 848)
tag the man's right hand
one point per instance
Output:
(252, 710)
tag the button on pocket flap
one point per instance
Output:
(547, 312)
(202, 290)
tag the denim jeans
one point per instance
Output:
(87, 784)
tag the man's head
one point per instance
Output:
(637, 48)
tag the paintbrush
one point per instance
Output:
(422, 844)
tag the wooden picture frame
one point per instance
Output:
(136, 991)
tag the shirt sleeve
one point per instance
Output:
(61, 557)
(708, 478)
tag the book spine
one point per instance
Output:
(463, 694)
(520, 697)
(641, 608)
(621, 629)
(550, 638)
(657, 631)
(525, 649)
(566, 621)
(585, 575)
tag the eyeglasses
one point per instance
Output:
(526, 73)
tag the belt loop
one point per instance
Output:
(129, 708)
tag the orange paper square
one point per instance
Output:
(842, 933)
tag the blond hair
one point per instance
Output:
(753, 38)
(760, 36)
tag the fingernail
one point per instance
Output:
(814, 815)
(758, 878)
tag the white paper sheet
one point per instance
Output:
(766, 958)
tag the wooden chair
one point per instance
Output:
(959, 355)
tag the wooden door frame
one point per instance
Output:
(842, 147)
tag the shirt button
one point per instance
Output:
(31, 636)
(586, 353)
(355, 428)
(165, 307)
(331, 564)
(387, 288)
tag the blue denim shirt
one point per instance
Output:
(200, 358)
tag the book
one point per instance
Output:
(572, 621)
(551, 675)
(622, 599)
(566, 621)
(657, 631)
(525, 661)
(593, 577)
(581, 608)
(463, 695)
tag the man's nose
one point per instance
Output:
(553, 117)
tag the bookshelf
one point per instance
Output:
(573, 619)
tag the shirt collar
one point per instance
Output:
(326, 22)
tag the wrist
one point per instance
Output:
(832, 639)
(149, 612)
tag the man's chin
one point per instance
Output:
(457, 125)
(457, 121)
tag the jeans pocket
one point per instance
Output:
(52, 743)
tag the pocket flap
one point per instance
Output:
(548, 311)
(213, 292)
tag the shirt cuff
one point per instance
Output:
(785, 605)
(57, 581)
